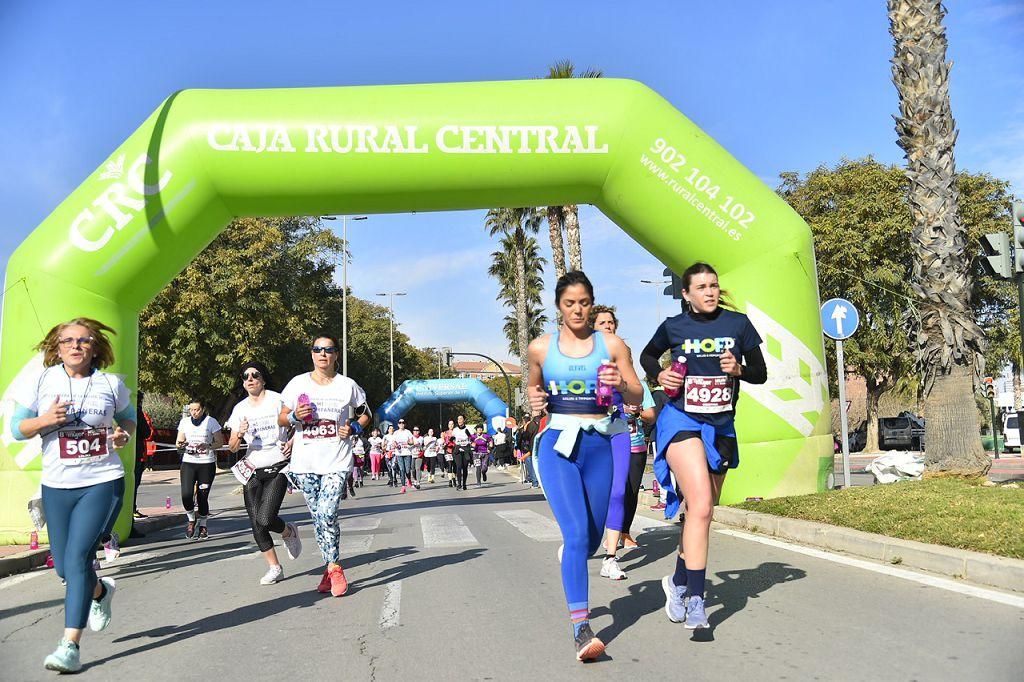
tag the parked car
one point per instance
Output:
(904, 432)
(1011, 432)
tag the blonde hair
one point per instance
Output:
(102, 352)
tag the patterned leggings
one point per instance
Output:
(323, 494)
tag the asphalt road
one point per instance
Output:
(465, 586)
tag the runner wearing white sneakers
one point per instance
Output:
(255, 419)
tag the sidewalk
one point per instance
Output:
(1006, 468)
(19, 558)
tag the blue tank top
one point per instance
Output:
(571, 383)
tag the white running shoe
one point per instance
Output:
(273, 574)
(293, 543)
(610, 569)
(100, 611)
(560, 548)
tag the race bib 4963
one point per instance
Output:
(320, 429)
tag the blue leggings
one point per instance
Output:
(620, 476)
(75, 519)
(577, 489)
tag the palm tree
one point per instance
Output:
(949, 342)
(517, 224)
(567, 216)
(503, 269)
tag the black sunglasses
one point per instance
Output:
(324, 349)
(251, 375)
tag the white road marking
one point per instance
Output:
(445, 530)
(20, 578)
(931, 581)
(360, 523)
(531, 524)
(354, 544)
(389, 612)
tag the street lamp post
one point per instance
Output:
(391, 307)
(659, 282)
(344, 291)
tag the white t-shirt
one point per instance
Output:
(376, 443)
(429, 446)
(199, 440)
(317, 448)
(403, 442)
(461, 435)
(417, 446)
(264, 437)
(81, 452)
(358, 448)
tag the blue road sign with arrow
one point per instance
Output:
(839, 318)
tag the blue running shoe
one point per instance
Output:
(675, 602)
(696, 619)
(66, 659)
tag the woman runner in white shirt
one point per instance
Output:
(254, 419)
(199, 436)
(325, 408)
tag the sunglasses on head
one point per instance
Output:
(324, 349)
(415, 430)
(251, 375)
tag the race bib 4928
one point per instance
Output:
(708, 395)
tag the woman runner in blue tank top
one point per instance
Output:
(573, 453)
(695, 432)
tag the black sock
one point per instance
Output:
(103, 592)
(679, 577)
(695, 582)
(609, 556)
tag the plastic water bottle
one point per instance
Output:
(167, 504)
(679, 367)
(33, 540)
(604, 391)
(304, 400)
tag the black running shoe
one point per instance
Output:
(203, 533)
(588, 646)
(190, 530)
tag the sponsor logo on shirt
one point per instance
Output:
(718, 344)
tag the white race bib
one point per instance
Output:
(708, 395)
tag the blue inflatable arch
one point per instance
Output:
(433, 391)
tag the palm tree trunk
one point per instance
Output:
(949, 341)
(572, 233)
(521, 303)
(555, 224)
(874, 393)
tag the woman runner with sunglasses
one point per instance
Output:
(255, 419)
(72, 404)
(325, 408)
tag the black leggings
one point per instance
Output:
(196, 481)
(263, 496)
(637, 464)
(463, 459)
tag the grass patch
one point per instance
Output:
(944, 511)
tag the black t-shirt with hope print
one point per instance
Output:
(708, 394)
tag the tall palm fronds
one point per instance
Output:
(948, 342)
(503, 269)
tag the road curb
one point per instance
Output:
(34, 558)
(983, 569)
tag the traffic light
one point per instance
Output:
(675, 289)
(996, 261)
(1018, 236)
(988, 389)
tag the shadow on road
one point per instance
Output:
(417, 566)
(732, 593)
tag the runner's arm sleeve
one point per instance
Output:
(650, 358)
(20, 413)
(754, 370)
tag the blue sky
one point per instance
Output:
(783, 85)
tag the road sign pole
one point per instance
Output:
(995, 435)
(843, 426)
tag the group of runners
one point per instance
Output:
(589, 456)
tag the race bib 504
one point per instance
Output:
(78, 446)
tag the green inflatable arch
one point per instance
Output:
(206, 156)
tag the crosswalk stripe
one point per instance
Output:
(390, 610)
(531, 524)
(360, 523)
(445, 530)
(352, 544)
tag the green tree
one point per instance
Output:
(517, 225)
(949, 342)
(503, 268)
(566, 217)
(860, 218)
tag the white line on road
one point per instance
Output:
(352, 544)
(931, 581)
(532, 525)
(445, 530)
(360, 523)
(20, 578)
(389, 612)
